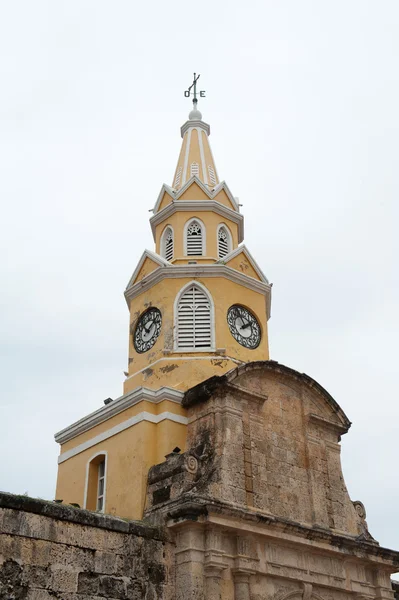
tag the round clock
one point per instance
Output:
(147, 330)
(243, 326)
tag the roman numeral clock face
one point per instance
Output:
(243, 326)
(147, 330)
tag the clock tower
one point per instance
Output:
(199, 305)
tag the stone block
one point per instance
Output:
(64, 580)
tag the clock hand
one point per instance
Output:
(246, 325)
(148, 328)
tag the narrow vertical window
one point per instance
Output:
(194, 239)
(101, 486)
(212, 176)
(95, 487)
(193, 320)
(224, 243)
(178, 177)
(194, 169)
(167, 243)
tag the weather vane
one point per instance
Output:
(189, 93)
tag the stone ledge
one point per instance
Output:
(64, 512)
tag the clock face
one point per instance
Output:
(243, 326)
(147, 330)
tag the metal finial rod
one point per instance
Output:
(193, 93)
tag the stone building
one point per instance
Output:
(230, 461)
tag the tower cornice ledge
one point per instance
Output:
(197, 123)
(194, 271)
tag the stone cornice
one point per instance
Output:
(198, 206)
(204, 510)
(115, 407)
(199, 271)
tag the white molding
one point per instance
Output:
(185, 163)
(244, 250)
(198, 206)
(210, 192)
(175, 305)
(203, 271)
(102, 453)
(193, 124)
(202, 155)
(175, 356)
(214, 166)
(186, 226)
(162, 262)
(115, 407)
(164, 189)
(162, 241)
(139, 418)
(227, 228)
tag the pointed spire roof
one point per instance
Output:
(195, 157)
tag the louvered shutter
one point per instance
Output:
(168, 244)
(194, 239)
(212, 176)
(223, 242)
(178, 177)
(194, 320)
(194, 169)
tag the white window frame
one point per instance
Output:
(203, 229)
(163, 242)
(230, 243)
(105, 454)
(212, 347)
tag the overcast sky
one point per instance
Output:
(303, 103)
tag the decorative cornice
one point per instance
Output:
(159, 260)
(244, 250)
(104, 435)
(198, 206)
(191, 124)
(210, 192)
(195, 271)
(115, 407)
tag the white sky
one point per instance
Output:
(302, 98)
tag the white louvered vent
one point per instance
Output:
(194, 169)
(194, 320)
(178, 177)
(194, 239)
(212, 176)
(168, 244)
(223, 242)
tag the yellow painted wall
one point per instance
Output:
(130, 454)
(241, 263)
(224, 293)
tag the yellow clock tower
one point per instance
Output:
(199, 306)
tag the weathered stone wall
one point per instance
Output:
(50, 551)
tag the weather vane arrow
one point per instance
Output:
(193, 93)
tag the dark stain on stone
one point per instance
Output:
(11, 584)
(221, 362)
(147, 373)
(168, 368)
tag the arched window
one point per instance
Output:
(194, 169)
(195, 238)
(167, 243)
(224, 241)
(193, 319)
(96, 482)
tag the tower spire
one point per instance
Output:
(195, 158)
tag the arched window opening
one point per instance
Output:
(167, 244)
(212, 176)
(96, 483)
(194, 169)
(194, 243)
(194, 320)
(224, 243)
